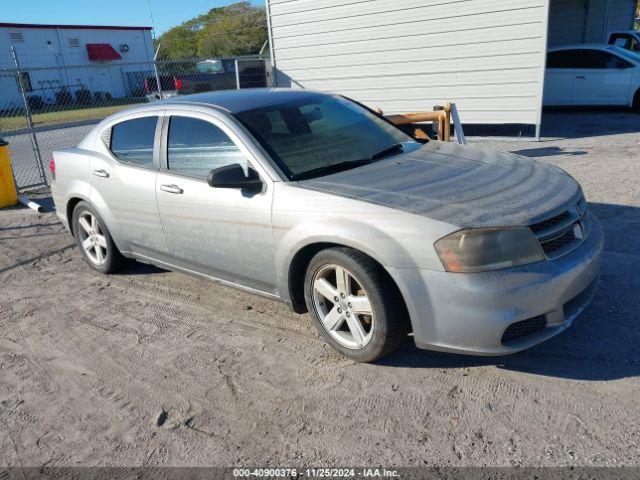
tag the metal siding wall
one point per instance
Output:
(595, 21)
(582, 21)
(567, 19)
(486, 55)
(622, 15)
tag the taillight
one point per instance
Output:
(177, 82)
(52, 167)
(146, 85)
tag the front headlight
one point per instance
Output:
(481, 249)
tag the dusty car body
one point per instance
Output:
(400, 216)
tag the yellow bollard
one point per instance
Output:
(8, 194)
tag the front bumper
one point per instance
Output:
(470, 312)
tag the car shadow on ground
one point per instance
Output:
(603, 343)
(547, 152)
(583, 122)
(136, 268)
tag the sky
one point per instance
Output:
(166, 13)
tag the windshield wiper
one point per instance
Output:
(393, 149)
(336, 167)
(328, 169)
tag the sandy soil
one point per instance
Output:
(151, 367)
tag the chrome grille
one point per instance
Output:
(564, 232)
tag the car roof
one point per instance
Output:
(582, 46)
(235, 101)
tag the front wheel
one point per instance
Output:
(355, 305)
(94, 240)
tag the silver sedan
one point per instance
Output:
(317, 201)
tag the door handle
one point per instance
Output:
(171, 189)
(101, 173)
(581, 77)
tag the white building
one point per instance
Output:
(106, 60)
(486, 55)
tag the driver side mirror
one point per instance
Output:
(232, 176)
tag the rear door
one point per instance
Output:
(124, 181)
(601, 78)
(222, 232)
(559, 78)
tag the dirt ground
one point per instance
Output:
(151, 367)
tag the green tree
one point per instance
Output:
(179, 42)
(237, 29)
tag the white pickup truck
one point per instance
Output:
(629, 40)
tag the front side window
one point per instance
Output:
(319, 134)
(195, 147)
(597, 59)
(132, 141)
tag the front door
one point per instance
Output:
(601, 78)
(222, 232)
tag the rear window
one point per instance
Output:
(132, 141)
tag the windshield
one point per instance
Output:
(629, 55)
(306, 138)
(209, 66)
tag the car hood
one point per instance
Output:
(461, 185)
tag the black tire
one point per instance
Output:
(389, 322)
(112, 259)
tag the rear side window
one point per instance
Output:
(132, 141)
(195, 147)
(562, 59)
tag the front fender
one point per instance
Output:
(391, 237)
(368, 239)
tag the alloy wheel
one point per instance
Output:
(92, 238)
(343, 306)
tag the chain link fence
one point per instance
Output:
(45, 109)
